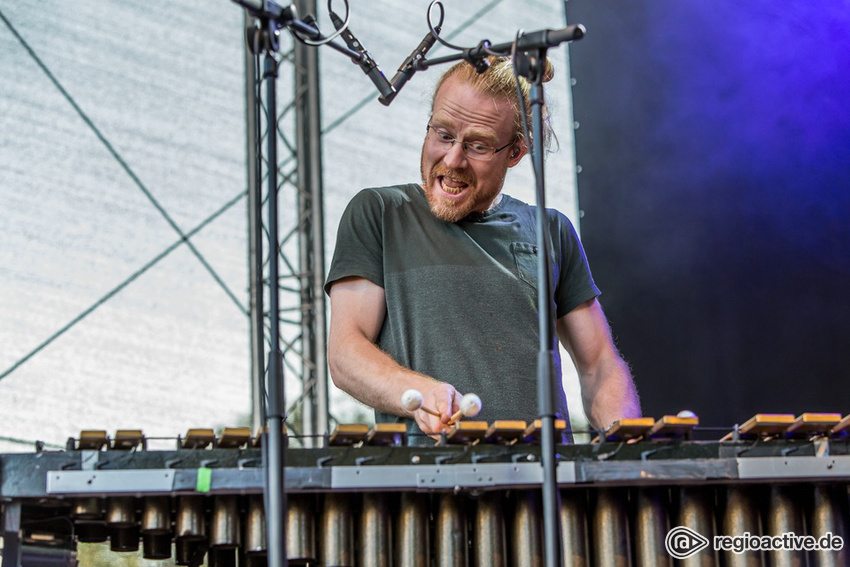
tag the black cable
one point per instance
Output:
(483, 45)
(328, 39)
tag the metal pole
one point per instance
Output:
(262, 36)
(275, 463)
(255, 233)
(311, 236)
(10, 529)
(546, 367)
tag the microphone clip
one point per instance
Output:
(477, 56)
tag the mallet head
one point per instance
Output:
(411, 400)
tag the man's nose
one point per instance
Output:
(455, 156)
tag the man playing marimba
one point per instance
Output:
(433, 286)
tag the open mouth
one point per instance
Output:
(452, 186)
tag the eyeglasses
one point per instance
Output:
(472, 150)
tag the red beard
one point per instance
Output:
(448, 209)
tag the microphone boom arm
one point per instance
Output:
(540, 39)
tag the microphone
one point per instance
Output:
(408, 68)
(366, 62)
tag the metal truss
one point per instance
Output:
(301, 236)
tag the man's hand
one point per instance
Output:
(443, 399)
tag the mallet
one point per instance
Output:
(470, 405)
(412, 400)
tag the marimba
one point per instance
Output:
(366, 498)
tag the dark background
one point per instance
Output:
(714, 146)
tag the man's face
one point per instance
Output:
(454, 184)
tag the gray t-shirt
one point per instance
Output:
(462, 297)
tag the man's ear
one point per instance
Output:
(516, 153)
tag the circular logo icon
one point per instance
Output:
(682, 542)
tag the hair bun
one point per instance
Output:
(549, 73)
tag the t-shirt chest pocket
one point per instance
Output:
(525, 256)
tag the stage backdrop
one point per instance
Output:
(115, 139)
(714, 147)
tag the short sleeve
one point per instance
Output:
(359, 241)
(575, 283)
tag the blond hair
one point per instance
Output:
(500, 82)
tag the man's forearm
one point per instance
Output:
(611, 394)
(359, 367)
(371, 376)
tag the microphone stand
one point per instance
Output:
(531, 58)
(546, 357)
(274, 456)
(272, 17)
